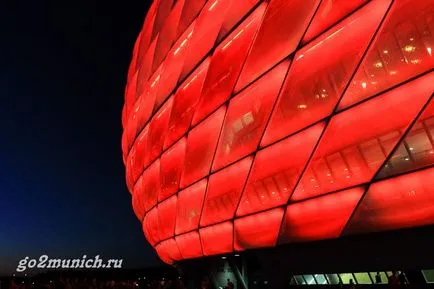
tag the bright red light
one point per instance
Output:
(259, 122)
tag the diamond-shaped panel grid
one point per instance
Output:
(254, 123)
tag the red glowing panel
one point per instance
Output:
(168, 251)
(226, 64)
(142, 110)
(142, 159)
(155, 83)
(131, 132)
(137, 200)
(172, 163)
(168, 33)
(319, 218)
(124, 117)
(405, 201)
(167, 218)
(131, 94)
(189, 245)
(173, 66)
(171, 248)
(184, 104)
(259, 230)
(311, 94)
(416, 150)
(328, 13)
(403, 49)
(224, 191)
(247, 116)
(276, 170)
(189, 13)
(164, 255)
(158, 129)
(150, 226)
(282, 28)
(217, 239)
(144, 71)
(130, 168)
(190, 203)
(151, 185)
(146, 34)
(163, 10)
(138, 158)
(206, 30)
(132, 68)
(201, 145)
(234, 15)
(124, 144)
(357, 141)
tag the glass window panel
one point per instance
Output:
(184, 104)
(319, 218)
(189, 245)
(379, 277)
(320, 279)
(217, 239)
(346, 277)
(189, 207)
(259, 230)
(172, 163)
(247, 116)
(311, 94)
(359, 128)
(205, 33)
(333, 278)
(299, 279)
(402, 49)
(309, 279)
(226, 64)
(280, 15)
(405, 201)
(417, 148)
(429, 275)
(273, 176)
(329, 12)
(201, 145)
(224, 191)
(167, 217)
(363, 278)
(151, 226)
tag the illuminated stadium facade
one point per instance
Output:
(250, 124)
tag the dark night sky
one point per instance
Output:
(62, 186)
